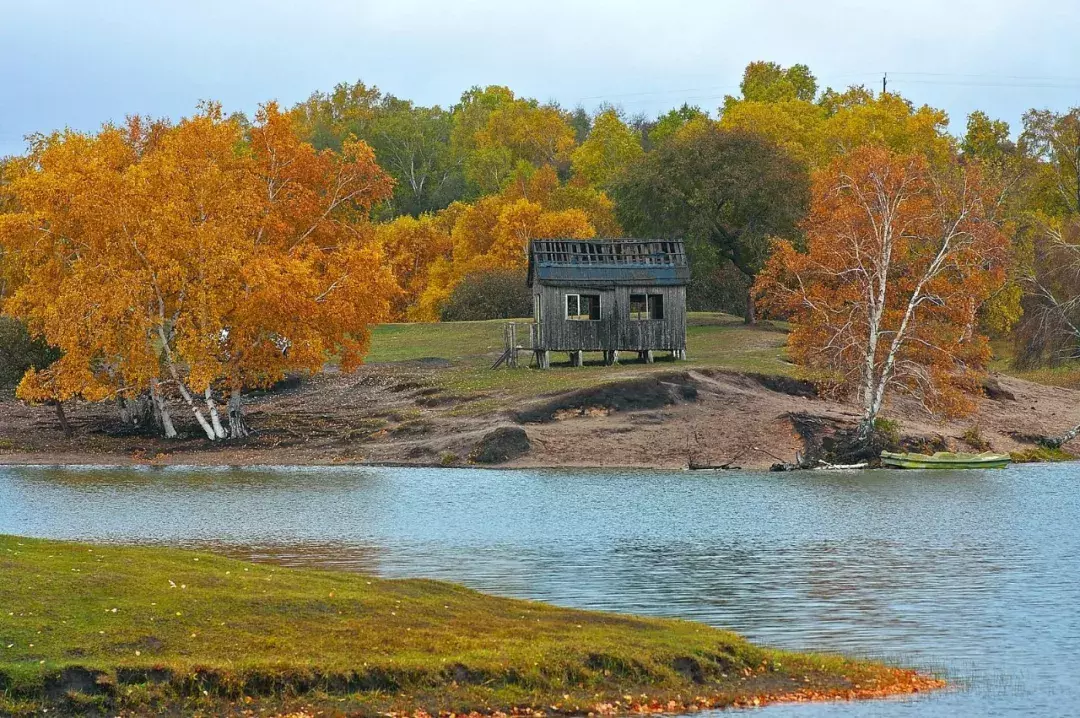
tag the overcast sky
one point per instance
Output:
(79, 63)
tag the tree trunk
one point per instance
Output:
(62, 418)
(215, 420)
(865, 431)
(1056, 442)
(125, 409)
(161, 411)
(142, 409)
(750, 317)
(137, 411)
(191, 402)
(238, 427)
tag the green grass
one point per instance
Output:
(714, 340)
(1040, 454)
(1065, 375)
(153, 629)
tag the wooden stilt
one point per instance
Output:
(576, 359)
(646, 356)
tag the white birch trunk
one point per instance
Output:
(215, 420)
(180, 384)
(191, 403)
(162, 410)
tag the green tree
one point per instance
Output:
(19, 352)
(987, 139)
(489, 294)
(326, 119)
(726, 192)
(1053, 141)
(610, 147)
(470, 118)
(413, 144)
(581, 122)
(1049, 331)
(672, 121)
(769, 82)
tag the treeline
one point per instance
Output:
(184, 262)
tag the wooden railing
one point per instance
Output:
(512, 345)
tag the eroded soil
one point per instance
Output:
(398, 413)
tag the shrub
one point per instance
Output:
(973, 437)
(887, 432)
(716, 288)
(490, 294)
(1040, 454)
(18, 352)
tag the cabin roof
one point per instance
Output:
(649, 262)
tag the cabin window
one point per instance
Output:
(646, 306)
(583, 307)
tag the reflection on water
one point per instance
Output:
(972, 572)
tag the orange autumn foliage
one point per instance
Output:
(193, 255)
(432, 254)
(900, 257)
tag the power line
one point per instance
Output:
(891, 78)
(994, 75)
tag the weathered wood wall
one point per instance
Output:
(615, 330)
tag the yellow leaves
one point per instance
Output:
(149, 246)
(795, 125)
(411, 245)
(498, 133)
(609, 148)
(432, 254)
(817, 132)
(887, 121)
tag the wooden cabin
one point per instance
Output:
(608, 295)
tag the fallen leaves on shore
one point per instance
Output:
(894, 682)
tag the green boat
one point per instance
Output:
(945, 460)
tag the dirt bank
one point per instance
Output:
(659, 416)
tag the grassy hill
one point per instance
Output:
(458, 356)
(107, 629)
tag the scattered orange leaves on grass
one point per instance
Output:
(890, 682)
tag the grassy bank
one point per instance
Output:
(141, 630)
(458, 357)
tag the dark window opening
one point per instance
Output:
(583, 307)
(656, 306)
(646, 306)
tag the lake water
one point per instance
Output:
(976, 574)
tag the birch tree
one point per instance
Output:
(193, 260)
(899, 259)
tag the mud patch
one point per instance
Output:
(786, 385)
(689, 668)
(773, 382)
(636, 395)
(503, 444)
(76, 679)
(995, 391)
